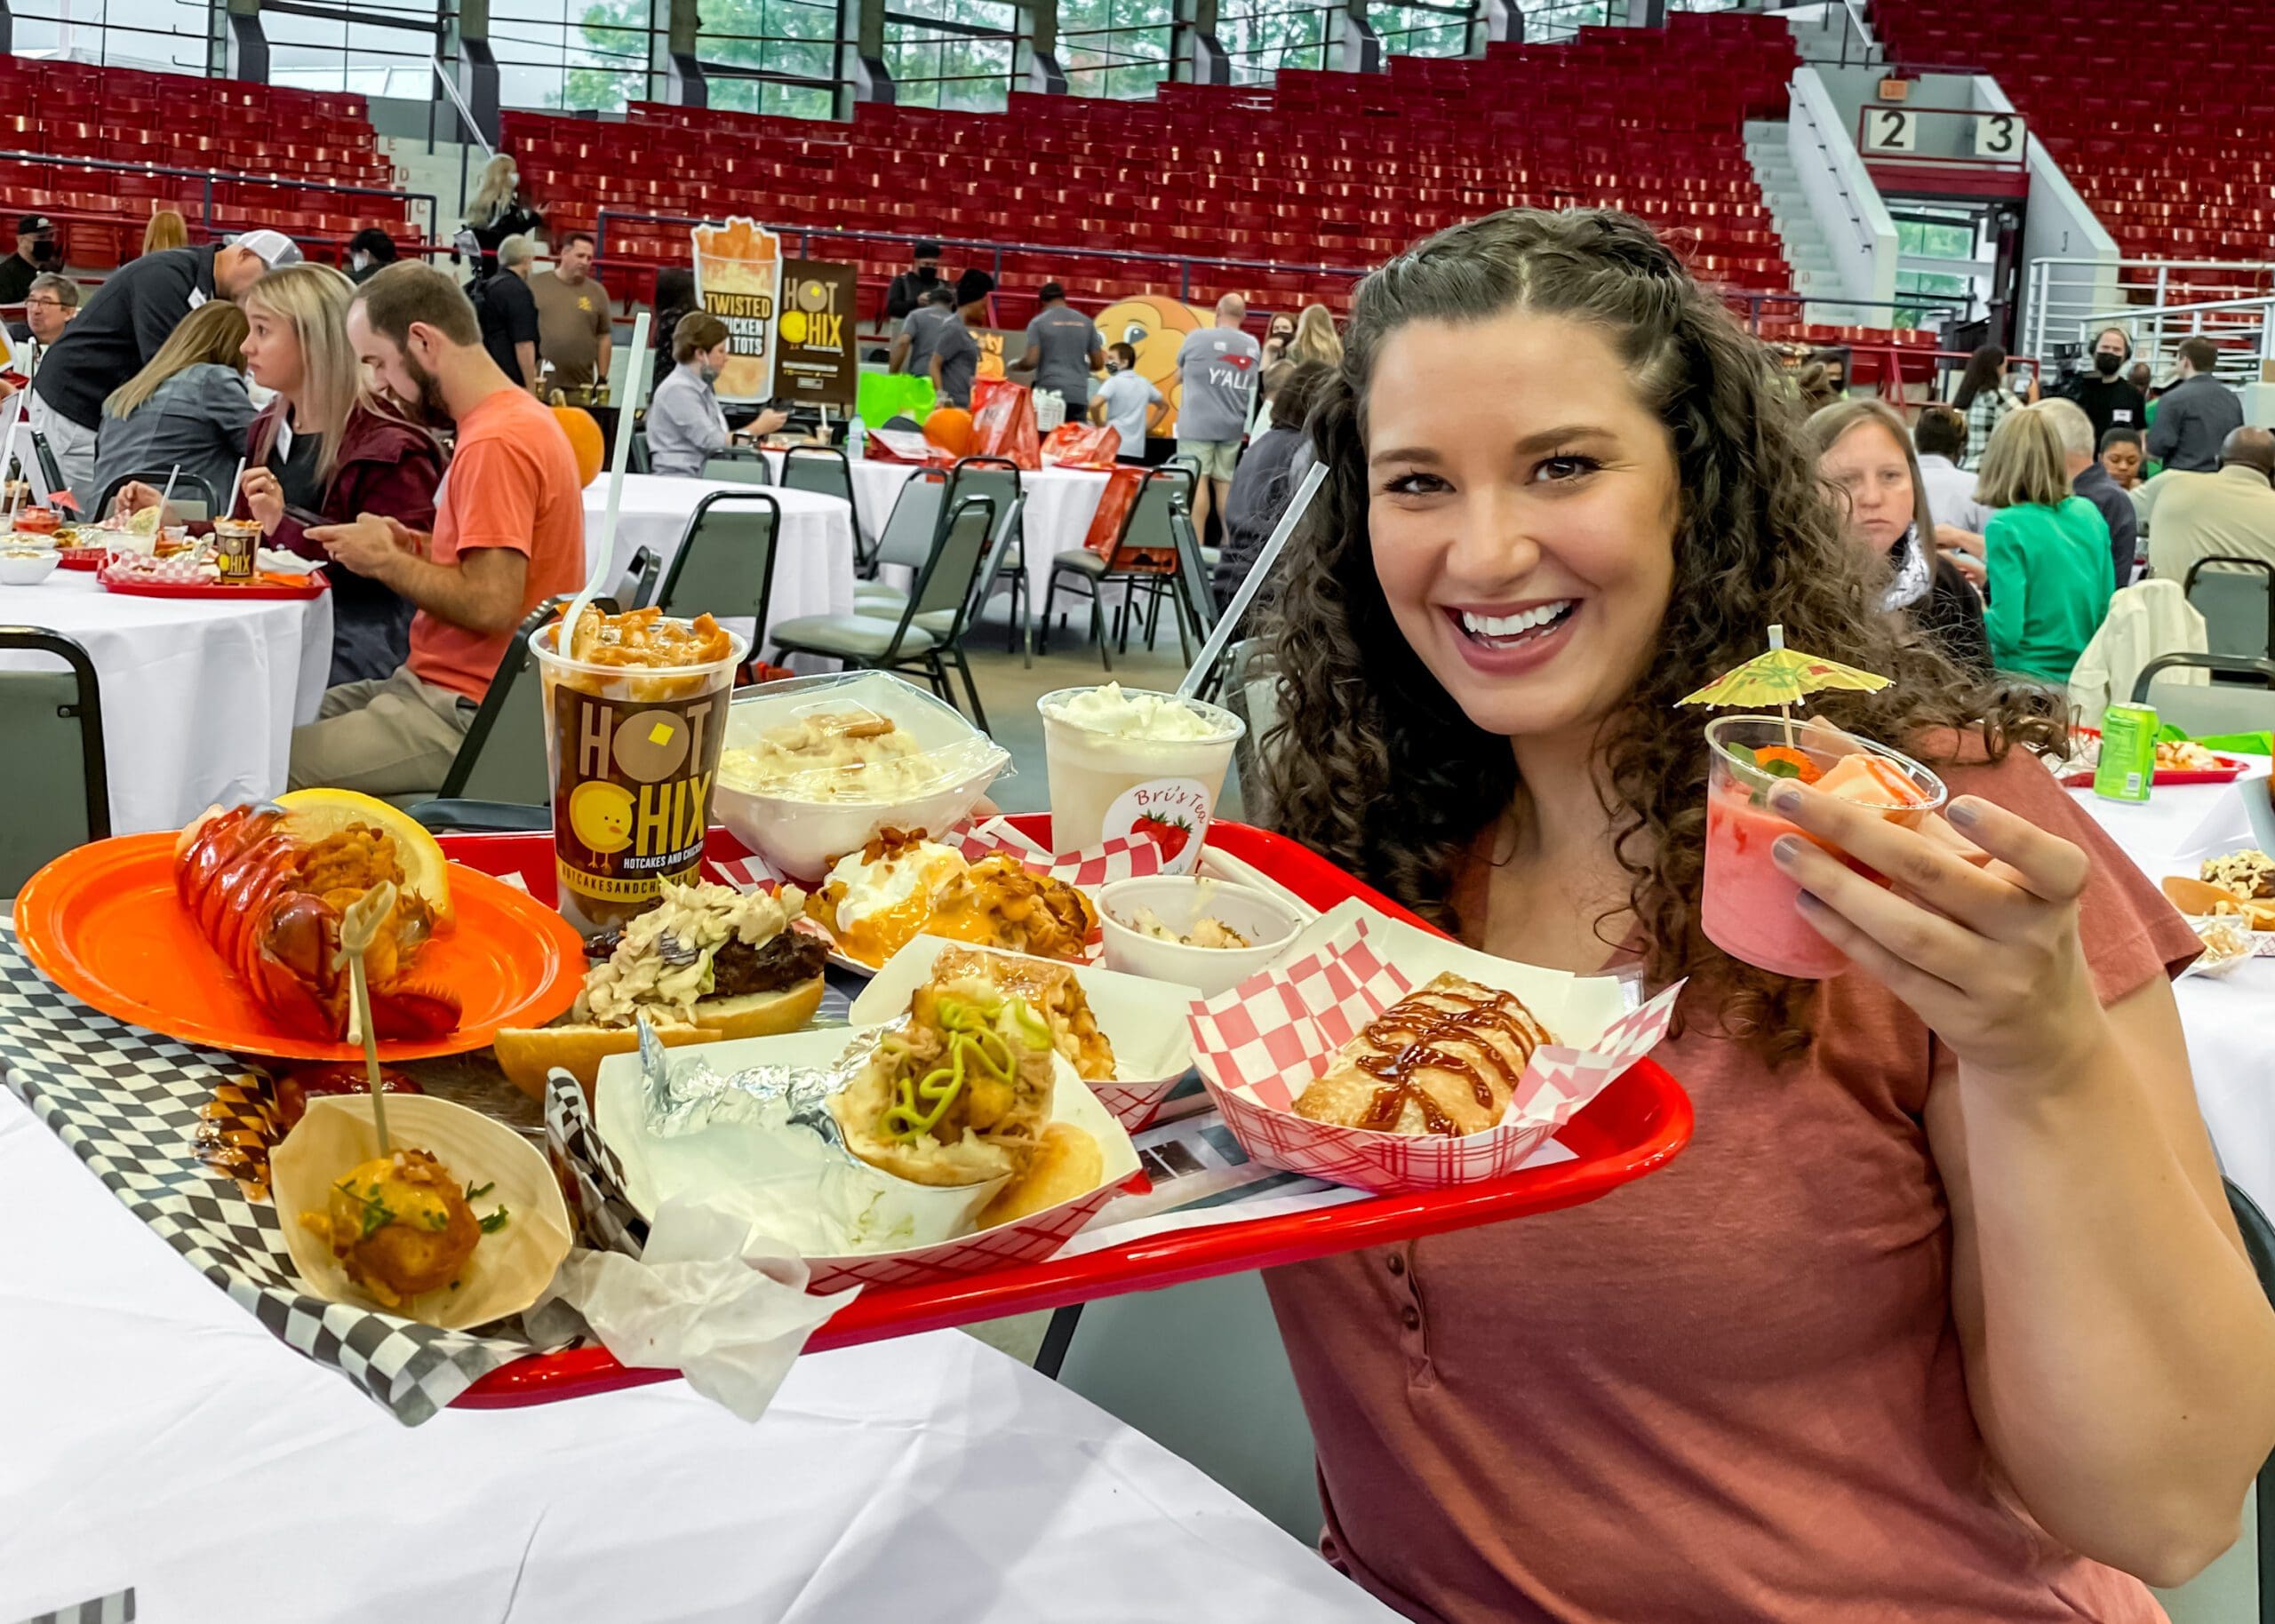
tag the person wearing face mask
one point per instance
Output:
(1943, 1314)
(34, 254)
(368, 251)
(1864, 455)
(509, 533)
(2108, 398)
(1127, 403)
(1279, 333)
(685, 424)
(497, 210)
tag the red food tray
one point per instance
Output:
(83, 558)
(1637, 1125)
(2229, 770)
(315, 588)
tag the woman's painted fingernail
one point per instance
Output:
(1964, 813)
(1786, 849)
(1809, 902)
(1786, 798)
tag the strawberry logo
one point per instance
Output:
(1171, 834)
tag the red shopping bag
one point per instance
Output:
(1002, 423)
(1122, 487)
(1080, 445)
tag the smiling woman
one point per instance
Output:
(1941, 1315)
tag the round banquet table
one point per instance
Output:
(813, 565)
(199, 697)
(2227, 1018)
(1060, 503)
(158, 1439)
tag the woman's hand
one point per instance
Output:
(770, 420)
(264, 498)
(1967, 565)
(1989, 958)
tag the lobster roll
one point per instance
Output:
(267, 885)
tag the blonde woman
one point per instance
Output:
(498, 209)
(1316, 339)
(166, 229)
(186, 408)
(327, 451)
(2047, 552)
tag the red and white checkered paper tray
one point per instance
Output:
(620, 1119)
(1144, 1020)
(1260, 1044)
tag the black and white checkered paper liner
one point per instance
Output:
(127, 1103)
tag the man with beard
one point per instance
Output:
(2107, 397)
(509, 533)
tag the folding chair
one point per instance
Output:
(193, 497)
(2220, 708)
(997, 478)
(1145, 537)
(946, 583)
(740, 468)
(637, 585)
(51, 736)
(725, 564)
(498, 779)
(2236, 596)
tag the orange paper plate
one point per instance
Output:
(102, 922)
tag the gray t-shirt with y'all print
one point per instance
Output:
(1218, 366)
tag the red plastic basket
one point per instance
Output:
(1637, 1125)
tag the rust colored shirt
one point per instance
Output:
(512, 484)
(1730, 1391)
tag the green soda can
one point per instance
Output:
(2129, 752)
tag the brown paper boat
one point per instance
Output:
(509, 1271)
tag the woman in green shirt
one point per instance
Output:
(2046, 551)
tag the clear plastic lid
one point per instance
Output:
(852, 738)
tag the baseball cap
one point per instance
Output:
(273, 248)
(34, 225)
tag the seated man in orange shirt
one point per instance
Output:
(509, 533)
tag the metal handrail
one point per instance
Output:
(232, 178)
(1799, 107)
(2046, 322)
(466, 120)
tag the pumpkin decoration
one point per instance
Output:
(950, 429)
(584, 439)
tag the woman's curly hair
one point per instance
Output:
(1372, 763)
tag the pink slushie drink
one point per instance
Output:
(1749, 908)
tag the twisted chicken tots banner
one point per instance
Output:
(738, 279)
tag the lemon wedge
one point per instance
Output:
(314, 814)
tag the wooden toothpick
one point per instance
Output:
(359, 927)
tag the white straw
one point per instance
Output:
(229, 507)
(8, 455)
(1229, 622)
(634, 385)
(167, 496)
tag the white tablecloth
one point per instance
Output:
(2228, 1018)
(156, 1437)
(813, 566)
(1060, 503)
(199, 697)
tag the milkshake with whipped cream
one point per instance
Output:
(1130, 762)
